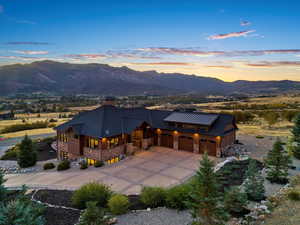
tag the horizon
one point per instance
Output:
(226, 40)
(184, 74)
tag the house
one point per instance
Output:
(108, 132)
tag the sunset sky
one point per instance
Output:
(229, 40)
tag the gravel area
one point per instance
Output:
(159, 216)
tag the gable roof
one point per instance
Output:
(107, 121)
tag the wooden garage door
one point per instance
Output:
(209, 146)
(166, 140)
(186, 143)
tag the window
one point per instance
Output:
(113, 142)
(92, 143)
(63, 137)
(113, 160)
(90, 162)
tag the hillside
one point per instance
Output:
(101, 79)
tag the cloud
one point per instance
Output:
(26, 22)
(245, 23)
(31, 52)
(231, 35)
(27, 43)
(219, 66)
(28, 58)
(163, 64)
(85, 56)
(189, 52)
(1, 9)
(132, 55)
(274, 63)
(179, 51)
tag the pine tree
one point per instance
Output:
(235, 201)
(277, 163)
(254, 184)
(204, 202)
(93, 215)
(26, 155)
(21, 212)
(3, 190)
(296, 137)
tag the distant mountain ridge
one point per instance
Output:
(102, 79)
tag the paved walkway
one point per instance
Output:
(157, 167)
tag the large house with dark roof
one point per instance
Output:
(108, 132)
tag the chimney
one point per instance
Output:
(109, 100)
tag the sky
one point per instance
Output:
(229, 40)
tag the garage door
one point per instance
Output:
(186, 143)
(209, 146)
(166, 140)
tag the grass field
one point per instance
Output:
(31, 119)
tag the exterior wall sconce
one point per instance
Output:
(175, 132)
(158, 131)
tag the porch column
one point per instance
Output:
(196, 139)
(175, 140)
(219, 148)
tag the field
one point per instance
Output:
(31, 119)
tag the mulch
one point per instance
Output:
(60, 216)
(55, 197)
(45, 151)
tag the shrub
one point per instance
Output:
(177, 196)
(99, 193)
(10, 154)
(293, 195)
(63, 165)
(93, 215)
(26, 155)
(118, 204)
(52, 120)
(99, 164)
(260, 137)
(3, 190)
(48, 166)
(153, 196)
(83, 165)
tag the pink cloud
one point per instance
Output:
(231, 35)
(274, 63)
(164, 64)
(31, 52)
(85, 56)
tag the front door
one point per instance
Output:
(137, 137)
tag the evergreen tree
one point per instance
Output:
(20, 212)
(3, 190)
(93, 215)
(277, 163)
(254, 184)
(235, 201)
(204, 202)
(296, 137)
(26, 155)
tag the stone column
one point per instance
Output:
(196, 139)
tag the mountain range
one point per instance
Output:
(101, 79)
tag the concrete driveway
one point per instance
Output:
(156, 167)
